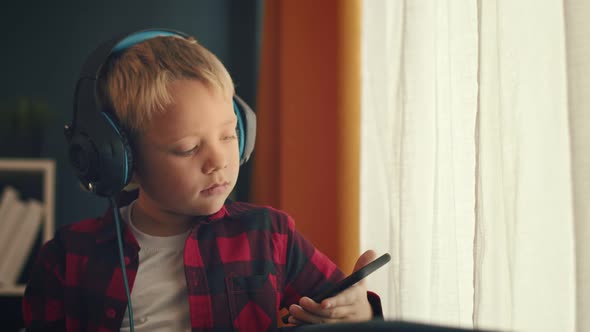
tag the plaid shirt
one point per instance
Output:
(242, 265)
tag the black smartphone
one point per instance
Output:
(349, 281)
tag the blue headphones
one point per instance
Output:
(98, 148)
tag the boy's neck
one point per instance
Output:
(158, 223)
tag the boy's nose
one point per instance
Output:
(216, 160)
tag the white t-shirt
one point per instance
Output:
(159, 297)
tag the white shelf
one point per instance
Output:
(17, 290)
(46, 168)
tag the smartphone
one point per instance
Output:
(349, 281)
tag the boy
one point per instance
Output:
(194, 261)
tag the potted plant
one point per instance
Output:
(22, 127)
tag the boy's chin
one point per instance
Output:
(210, 209)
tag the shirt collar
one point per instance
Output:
(109, 233)
(222, 213)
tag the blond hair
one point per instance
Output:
(135, 83)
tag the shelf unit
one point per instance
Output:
(24, 175)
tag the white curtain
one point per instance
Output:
(577, 23)
(474, 161)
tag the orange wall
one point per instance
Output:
(307, 157)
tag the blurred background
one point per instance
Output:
(47, 43)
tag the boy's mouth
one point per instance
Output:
(215, 189)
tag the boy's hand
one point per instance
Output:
(351, 305)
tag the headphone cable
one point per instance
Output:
(122, 261)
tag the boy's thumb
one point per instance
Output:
(366, 258)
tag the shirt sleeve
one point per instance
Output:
(375, 302)
(309, 272)
(43, 302)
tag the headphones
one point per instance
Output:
(98, 148)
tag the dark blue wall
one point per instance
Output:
(44, 44)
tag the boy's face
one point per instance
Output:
(188, 158)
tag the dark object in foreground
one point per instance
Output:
(378, 326)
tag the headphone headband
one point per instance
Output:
(117, 45)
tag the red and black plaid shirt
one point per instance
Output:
(241, 265)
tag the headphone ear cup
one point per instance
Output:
(102, 157)
(84, 158)
(246, 128)
(115, 158)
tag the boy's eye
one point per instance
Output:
(187, 152)
(229, 137)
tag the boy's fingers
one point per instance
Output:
(347, 297)
(316, 309)
(301, 316)
(311, 306)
